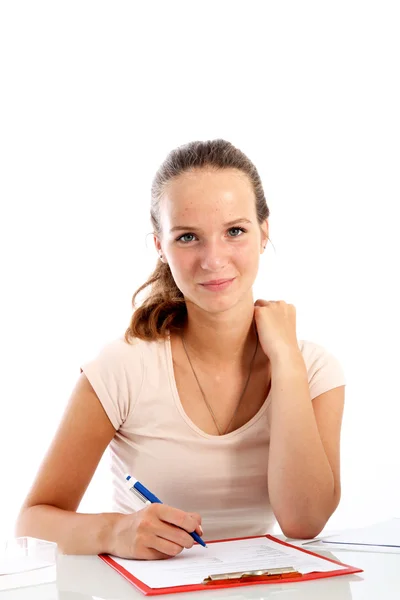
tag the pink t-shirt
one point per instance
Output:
(223, 478)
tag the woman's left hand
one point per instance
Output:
(276, 327)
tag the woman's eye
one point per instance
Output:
(237, 231)
(190, 237)
(185, 236)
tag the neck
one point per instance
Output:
(223, 338)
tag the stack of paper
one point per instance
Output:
(380, 537)
(26, 562)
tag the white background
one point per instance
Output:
(93, 96)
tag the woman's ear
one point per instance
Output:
(157, 244)
(264, 235)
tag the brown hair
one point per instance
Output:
(164, 308)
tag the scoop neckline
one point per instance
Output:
(188, 420)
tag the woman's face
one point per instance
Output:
(211, 238)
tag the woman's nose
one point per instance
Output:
(214, 256)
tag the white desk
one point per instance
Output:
(88, 578)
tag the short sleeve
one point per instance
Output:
(116, 375)
(324, 370)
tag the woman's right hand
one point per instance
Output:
(154, 532)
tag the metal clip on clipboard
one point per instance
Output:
(260, 575)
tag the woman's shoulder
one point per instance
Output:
(119, 354)
(324, 369)
(312, 351)
(120, 347)
(117, 374)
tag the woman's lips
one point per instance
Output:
(217, 284)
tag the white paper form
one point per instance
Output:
(26, 561)
(386, 534)
(19, 564)
(194, 565)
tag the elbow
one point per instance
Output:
(308, 526)
(302, 526)
(26, 523)
(302, 531)
(21, 527)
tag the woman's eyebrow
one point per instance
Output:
(190, 228)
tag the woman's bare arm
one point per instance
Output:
(49, 509)
(304, 458)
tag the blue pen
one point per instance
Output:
(148, 498)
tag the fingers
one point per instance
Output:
(187, 521)
(199, 530)
(260, 303)
(163, 531)
(150, 554)
(170, 539)
(276, 303)
(156, 543)
(153, 541)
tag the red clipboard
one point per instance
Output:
(255, 580)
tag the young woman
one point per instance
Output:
(209, 400)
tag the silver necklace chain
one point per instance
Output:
(220, 431)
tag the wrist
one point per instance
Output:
(285, 356)
(108, 532)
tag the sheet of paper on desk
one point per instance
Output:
(15, 572)
(194, 565)
(385, 534)
(19, 564)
